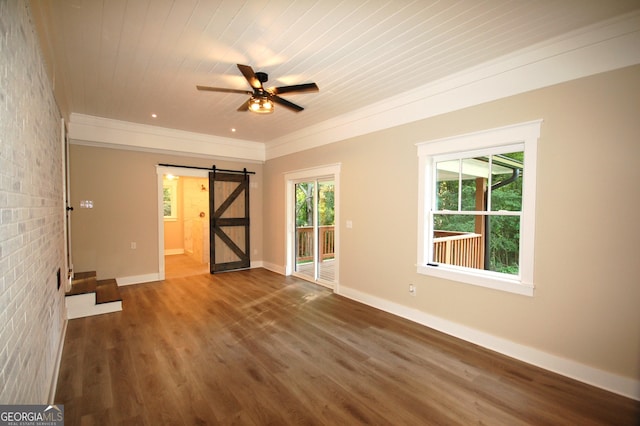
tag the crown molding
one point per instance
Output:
(98, 131)
(602, 47)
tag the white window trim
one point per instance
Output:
(524, 133)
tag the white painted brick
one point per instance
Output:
(31, 214)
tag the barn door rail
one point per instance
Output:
(213, 168)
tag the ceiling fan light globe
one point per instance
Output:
(261, 105)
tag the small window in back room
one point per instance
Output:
(170, 197)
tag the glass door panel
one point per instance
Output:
(326, 231)
(315, 230)
(305, 235)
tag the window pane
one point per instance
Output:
(304, 204)
(506, 186)
(326, 196)
(474, 173)
(456, 243)
(447, 180)
(166, 201)
(504, 244)
(305, 235)
(326, 230)
(454, 223)
(460, 240)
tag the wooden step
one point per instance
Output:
(89, 296)
(107, 291)
(83, 282)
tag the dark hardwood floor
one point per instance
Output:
(256, 348)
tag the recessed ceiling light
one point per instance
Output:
(233, 129)
(154, 115)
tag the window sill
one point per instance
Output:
(170, 219)
(483, 280)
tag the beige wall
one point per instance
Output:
(586, 303)
(123, 186)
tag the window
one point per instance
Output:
(170, 197)
(477, 207)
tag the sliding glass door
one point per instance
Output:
(314, 236)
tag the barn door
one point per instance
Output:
(229, 221)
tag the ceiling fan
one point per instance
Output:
(262, 100)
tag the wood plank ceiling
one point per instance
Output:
(127, 59)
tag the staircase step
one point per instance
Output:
(107, 291)
(89, 296)
(84, 275)
(83, 283)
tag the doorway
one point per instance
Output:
(186, 216)
(312, 215)
(183, 232)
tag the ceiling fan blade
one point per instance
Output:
(222, 89)
(286, 103)
(307, 87)
(244, 106)
(248, 73)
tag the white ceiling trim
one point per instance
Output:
(98, 131)
(604, 47)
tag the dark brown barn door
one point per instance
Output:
(229, 221)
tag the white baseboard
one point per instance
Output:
(169, 252)
(56, 367)
(138, 279)
(274, 268)
(612, 382)
(257, 264)
(147, 278)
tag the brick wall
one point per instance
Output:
(31, 214)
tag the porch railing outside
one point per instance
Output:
(458, 248)
(453, 248)
(326, 243)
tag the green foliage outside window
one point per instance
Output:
(166, 201)
(304, 203)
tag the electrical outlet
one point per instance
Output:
(412, 289)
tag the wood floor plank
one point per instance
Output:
(254, 348)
